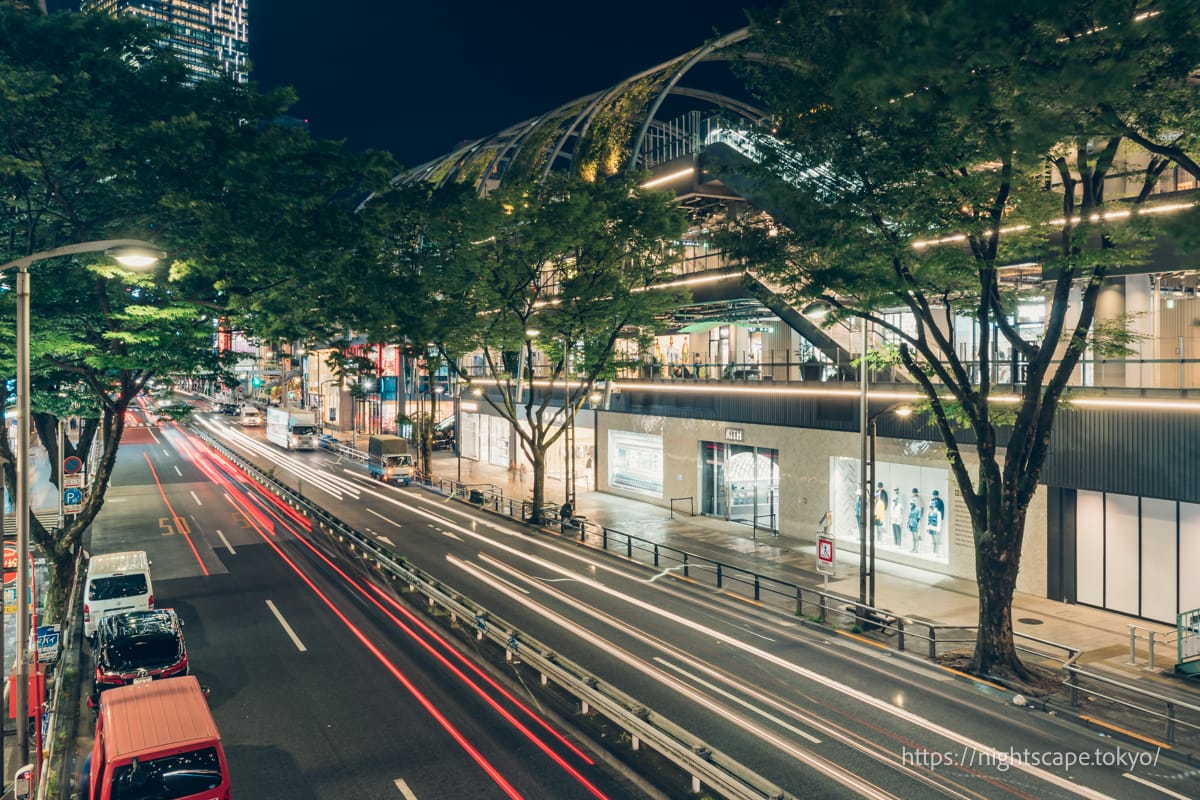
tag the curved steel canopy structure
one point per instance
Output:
(603, 133)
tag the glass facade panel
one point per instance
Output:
(1089, 548)
(908, 507)
(1121, 553)
(1159, 559)
(635, 462)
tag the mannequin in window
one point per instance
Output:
(916, 509)
(897, 518)
(881, 505)
(934, 521)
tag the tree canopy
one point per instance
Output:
(105, 134)
(918, 155)
(553, 272)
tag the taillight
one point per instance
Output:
(152, 601)
(87, 613)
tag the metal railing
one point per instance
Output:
(691, 505)
(705, 764)
(932, 639)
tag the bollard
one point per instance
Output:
(900, 634)
(656, 556)
(719, 575)
(932, 642)
(1073, 682)
(584, 707)
(545, 679)
(1171, 722)
(1150, 636)
(757, 588)
(635, 743)
(1132, 645)
(821, 608)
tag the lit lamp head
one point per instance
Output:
(816, 310)
(134, 256)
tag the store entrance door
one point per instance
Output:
(740, 483)
(712, 479)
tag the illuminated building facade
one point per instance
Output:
(210, 36)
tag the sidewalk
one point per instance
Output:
(1102, 636)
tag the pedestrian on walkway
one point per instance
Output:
(521, 474)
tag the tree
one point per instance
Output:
(563, 268)
(105, 134)
(916, 157)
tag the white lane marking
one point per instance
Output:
(385, 540)
(404, 790)
(166, 452)
(817, 678)
(762, 712)
(1154, 786)
(177, 471)
(228, 546)
(843, 776)
(444, 532)
(287, 628)
(197, 499)
(385, 519)
(489, 573)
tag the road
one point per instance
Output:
(817, 714)
(320, 687)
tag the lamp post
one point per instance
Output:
(902, 410)
(131, 253)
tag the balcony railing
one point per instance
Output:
(784, 367)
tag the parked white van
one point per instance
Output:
(116, 583)
(251, 417)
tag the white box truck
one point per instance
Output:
(292, 428)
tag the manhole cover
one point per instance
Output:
(1029, 621)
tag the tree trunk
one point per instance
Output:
(539, 488)
(996, 573)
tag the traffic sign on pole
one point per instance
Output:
(72, 500)
(72, 464)
(826, 555)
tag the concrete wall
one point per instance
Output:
(804, 464)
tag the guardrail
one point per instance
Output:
(1172, 712)
(934, 638)
(706, 765)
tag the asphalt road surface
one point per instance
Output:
(358, 709)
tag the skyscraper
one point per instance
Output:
(201, 32)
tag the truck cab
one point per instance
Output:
(389, 460)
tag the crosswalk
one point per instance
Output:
(47, 518)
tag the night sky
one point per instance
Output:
(416, 77)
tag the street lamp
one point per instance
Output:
(901, 410)
(130, 253)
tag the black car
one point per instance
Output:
(138, 646)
